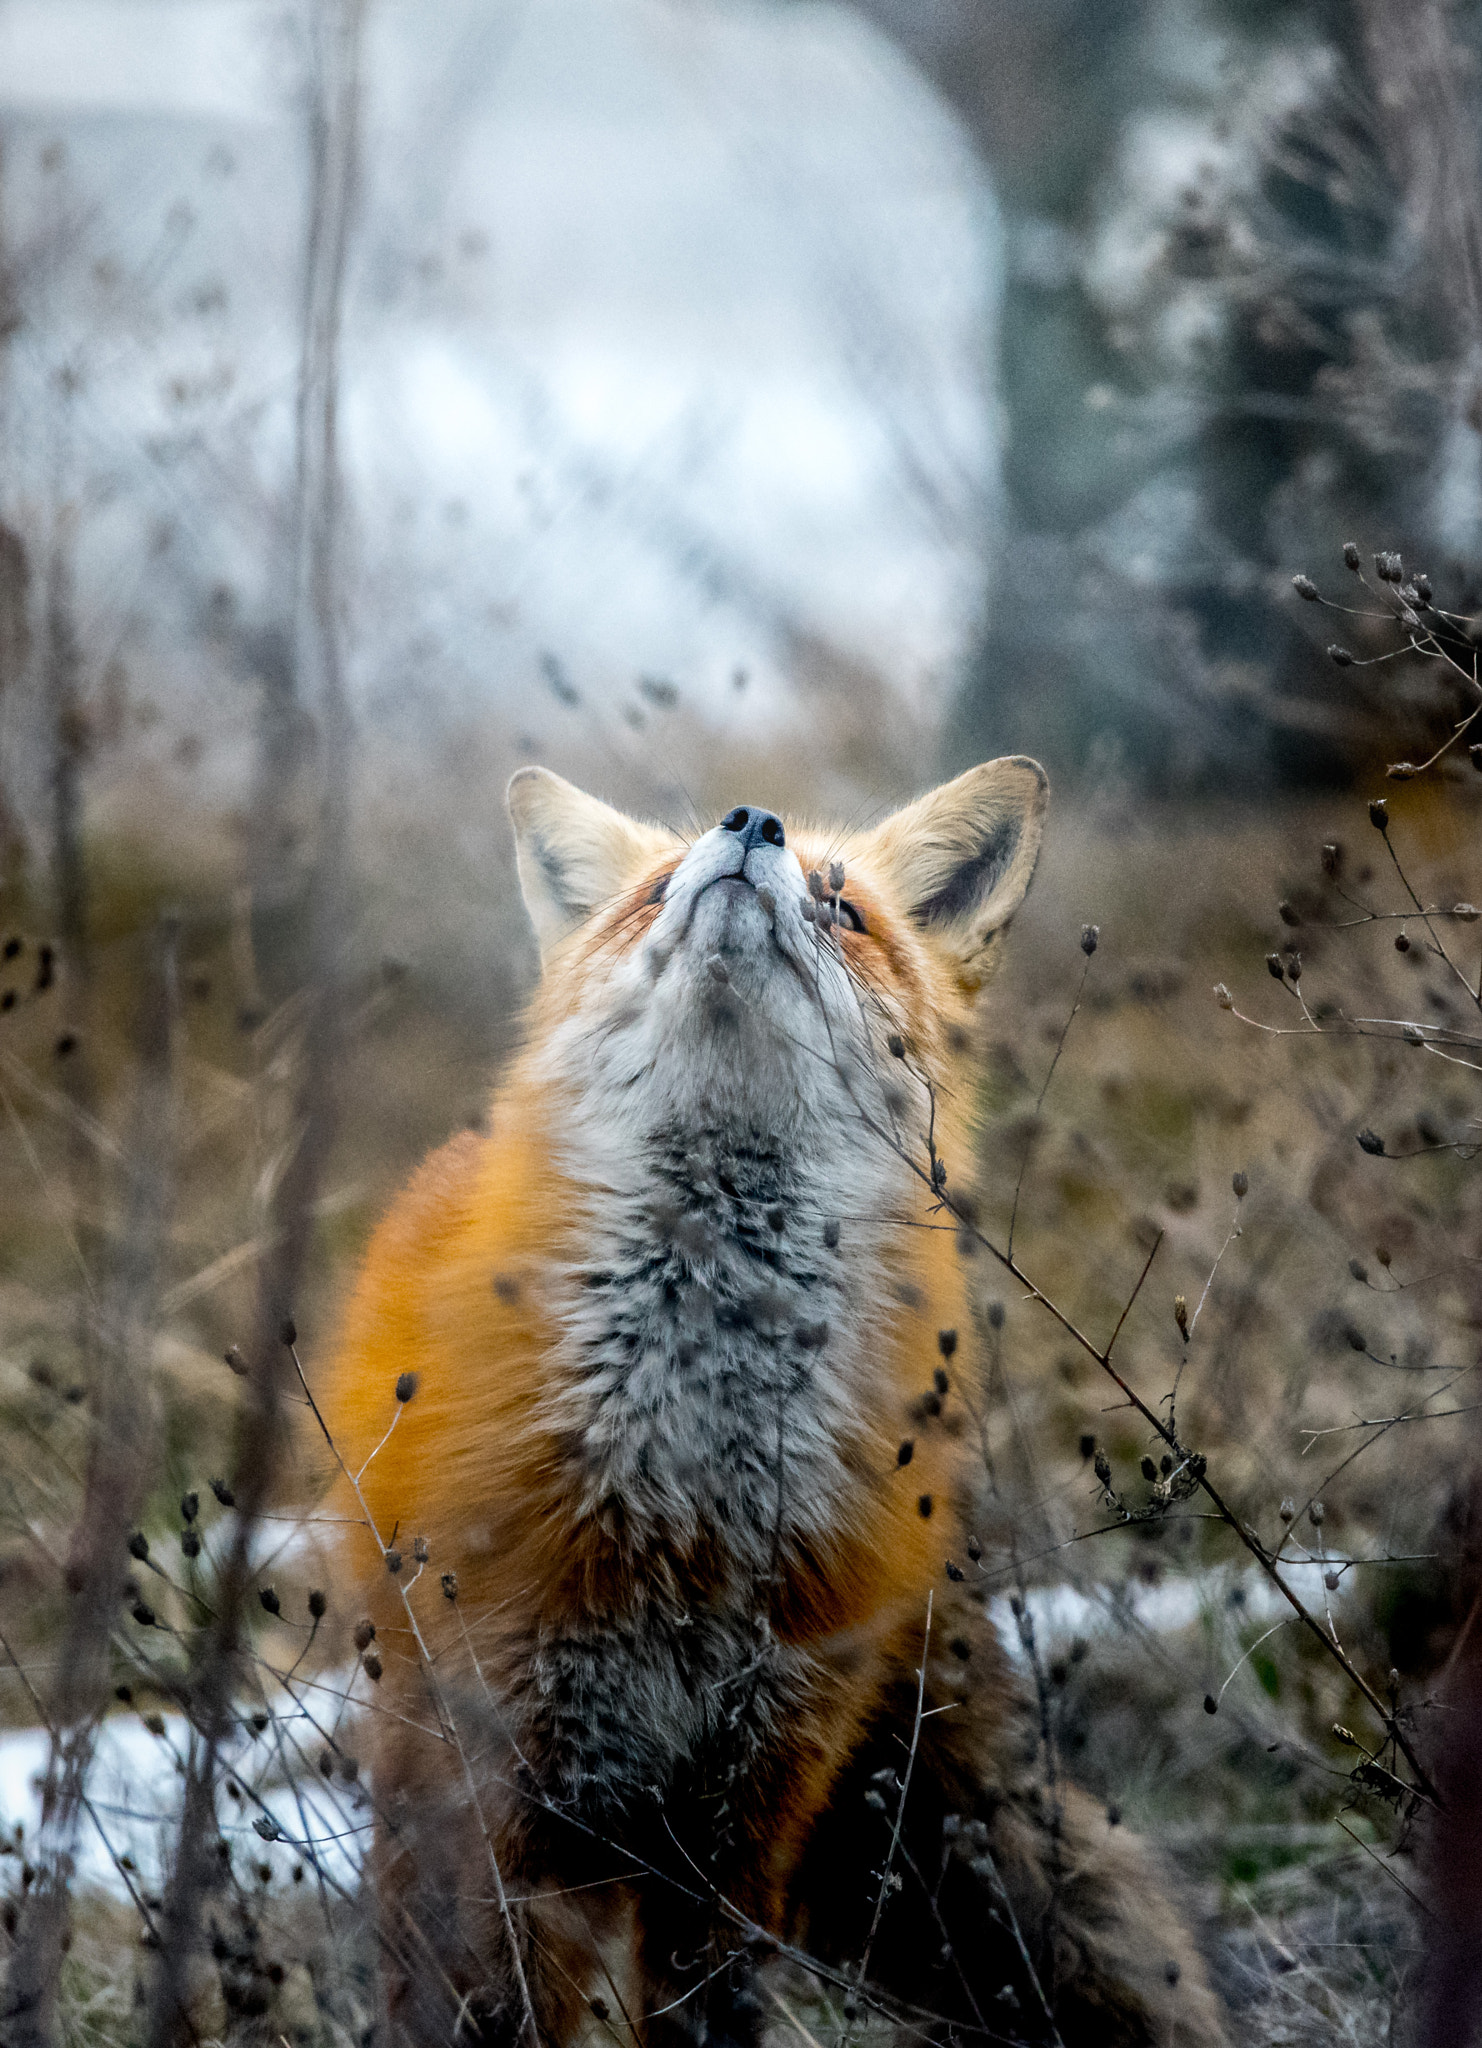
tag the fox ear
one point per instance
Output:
(574, 852)
(962, 857)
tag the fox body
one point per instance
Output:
(685, 1443)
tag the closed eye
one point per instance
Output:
(850, 919)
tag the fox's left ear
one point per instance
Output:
(962, 857)
(574, 852)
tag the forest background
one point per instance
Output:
(766, 401)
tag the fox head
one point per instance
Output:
(770, 971)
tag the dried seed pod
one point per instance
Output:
(1340, 656)
(406, 1386)
(1331, 855)
(974, 1549)
(365, 1632)
(1287, 1510)
(1149, 1470)
(1211, 1704)
(1181, 1315)
(1317, 1514)
(1286, 913)
(1102, 1467)
(1223, 997)
(393, 1562)
(318, 1604)
(1421, 584)
(1090, 938)
(1402, 942)
(1274, 967)
(1330, 1580)
(450, 1585)
(289, 1332)
(269, 1598)
(1371, 1142)
(1379, 814)
(836, 876)
(1305, 587)
(1294, 966)
(810, 910)
(420, 1551)
(815, 885)
(1240, 1182)
(955, 1573)
(371, 1665)
(1352, 559)
(1402, 771)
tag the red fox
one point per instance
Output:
(675, 1672)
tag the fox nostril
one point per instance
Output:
(772, 832)
(735, 821)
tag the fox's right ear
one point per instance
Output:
(574, 852)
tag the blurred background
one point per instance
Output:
(725, 400)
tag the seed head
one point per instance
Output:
(717, 969)
(1223, 997)
(1294, 966)
(1316, 1514)
(406, 1386)
(1090, 938)
(450, 1585)
(1181, 1315)
(815, 885)
(955, 1573)
(974, 1548)
(269, 1599)
(1340, 656)
(1345, 1735)
(1352, 559)
(1102, 1467)
(289, 1332)
(1379, 814)
(1402, 942)
(1401, 771)
(1211, 1704)
(372, 1666)
(810, 910)
(1330, 1580)
(1240, 1182)
(393, 1562)
(268, 1828)
(1274, 967)
(1149, 1470)
(1287, 1510)
(318, 1604)
(1332, 854)
(1422, 587)
(365, 1632)
(1286, 913)
(420, 1551)
(139, 1546)
(143, 1613)
(1305, 587)
(1371, 1142)
(836, 876)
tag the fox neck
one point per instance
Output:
(721, 1379)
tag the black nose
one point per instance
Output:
(754, 826)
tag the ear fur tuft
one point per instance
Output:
(574, 852)
(963, 856)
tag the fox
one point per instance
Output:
(654, 1374)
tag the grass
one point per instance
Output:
(1160, 1098)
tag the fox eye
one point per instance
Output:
(850, 919)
